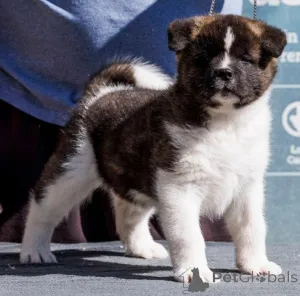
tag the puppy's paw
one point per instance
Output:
(147, 250)
(260, 268)
(188, 275)
(35, 256)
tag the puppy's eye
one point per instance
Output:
(247, 59)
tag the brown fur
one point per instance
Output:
(127, 127)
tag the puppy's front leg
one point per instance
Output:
(179, 209)
(246, 223)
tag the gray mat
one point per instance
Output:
(102, 269)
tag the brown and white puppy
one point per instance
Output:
(197, 147)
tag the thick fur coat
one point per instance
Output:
(198, 146)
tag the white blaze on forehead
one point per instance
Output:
(226, 61)
(229, 38)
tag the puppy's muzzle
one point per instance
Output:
(222, 79)
(224, 74)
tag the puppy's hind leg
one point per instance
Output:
(132, 222)
(69, 177)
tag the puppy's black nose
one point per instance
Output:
(225, 74)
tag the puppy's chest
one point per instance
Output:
(227, 154)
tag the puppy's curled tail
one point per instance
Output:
(131, 73)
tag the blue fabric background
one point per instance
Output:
(49, 49)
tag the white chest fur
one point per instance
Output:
(220, 159)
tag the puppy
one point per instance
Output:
(197, 147)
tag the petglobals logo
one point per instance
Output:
(289, 277)
(277, 2)
(198, 285)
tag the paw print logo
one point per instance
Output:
(197, 284)
(261, 279)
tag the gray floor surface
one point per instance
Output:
(102, 269)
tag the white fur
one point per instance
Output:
(141, 197)
(225, 63)
(69, 189)
(227, 104)
(228, 40)
(132, 223)
(146, 76)
(150, 76)
(81, 178)
(219, 171)
(102, 90)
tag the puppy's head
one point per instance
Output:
(225, 59)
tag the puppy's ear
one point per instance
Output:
(273, 41)
(180, 34)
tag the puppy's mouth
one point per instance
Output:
(228, 91)
(223, 88)
(225, 97)
(225, 92)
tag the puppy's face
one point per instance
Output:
(225, 59)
